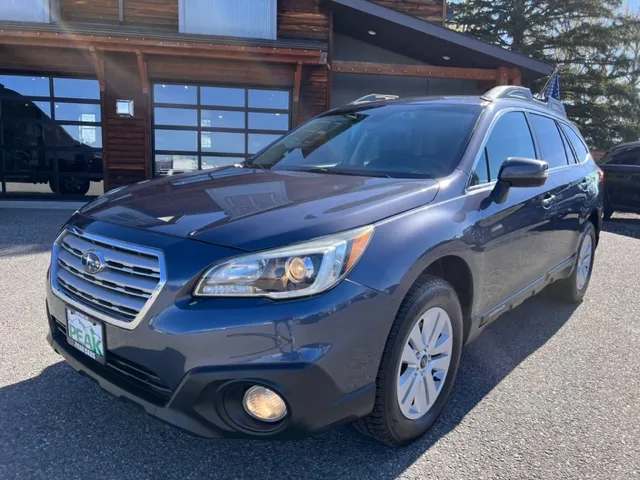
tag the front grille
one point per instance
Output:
(121, 290)
(129, 375)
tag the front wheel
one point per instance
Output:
(419, 364)
(573, 289)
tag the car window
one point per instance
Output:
(510, 137)
(578, 145)
(549, 140)
(481, 173)
(571, 156)
(398, 140)
(623, 156)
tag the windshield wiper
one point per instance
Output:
(341, 171)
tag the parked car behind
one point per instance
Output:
(621, 166)
(334, 277)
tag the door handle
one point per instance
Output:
(548, 201)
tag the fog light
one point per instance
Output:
(264, 404)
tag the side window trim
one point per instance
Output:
(535, 136)
(580, 138)
(568, 146)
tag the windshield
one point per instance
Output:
(391, 140)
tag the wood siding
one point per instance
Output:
(198, 70)
(152, 13)
(429, 10)
(46, 60)
(313, 93)
(305, 19)
(125, 140)
(89, 11)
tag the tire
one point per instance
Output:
(74, 186)
(573, 289)
(387, 423)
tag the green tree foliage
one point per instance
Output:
(591, 41)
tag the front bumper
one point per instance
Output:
(183, 362)
(314, 401)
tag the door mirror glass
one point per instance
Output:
(523, 172)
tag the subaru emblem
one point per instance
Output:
(93, 261)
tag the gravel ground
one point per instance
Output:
(548, 391)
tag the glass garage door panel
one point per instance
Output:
(200, 127)
(50, 135)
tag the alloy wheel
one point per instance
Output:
(425, 362)
(584, 263)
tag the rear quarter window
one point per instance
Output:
(576, 142)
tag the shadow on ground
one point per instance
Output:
(26, 231)
(61, 425)
(624, 225)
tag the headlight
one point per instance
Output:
(294, 271)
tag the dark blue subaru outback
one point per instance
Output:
(336, 275)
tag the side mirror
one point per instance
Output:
(519, 172)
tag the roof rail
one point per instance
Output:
(523, 93)
(508, 91)
(373, 97)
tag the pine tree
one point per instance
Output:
(586, 39)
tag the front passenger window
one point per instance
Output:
(510, 137)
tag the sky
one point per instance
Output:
(631, 4)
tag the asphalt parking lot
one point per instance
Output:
(549, 391)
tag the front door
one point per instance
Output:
(514, 235)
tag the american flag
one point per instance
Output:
(551, 89)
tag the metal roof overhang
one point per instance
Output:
(426, 41)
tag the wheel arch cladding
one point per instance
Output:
(455, 271)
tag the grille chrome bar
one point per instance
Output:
(126, 283)
(145, 264)
(122, 293)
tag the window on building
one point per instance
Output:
(201, 127)
(550, 142)
(229, 18)
(50, 135)
(510, 137)
(35, 11)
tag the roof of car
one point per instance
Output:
(504, 102)
(635, 144)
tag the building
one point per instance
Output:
(100, 93)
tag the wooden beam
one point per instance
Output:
(159, 47)
(502, 76)
(297, 80)
(413, 70)
(98, 66)
(144, 83)
(142, 70)
(444, 12)
(515, 76)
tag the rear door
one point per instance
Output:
(568, 196)
(514, 235)
(622, 178)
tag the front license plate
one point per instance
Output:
(85, 334)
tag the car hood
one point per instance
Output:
(256, 209)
